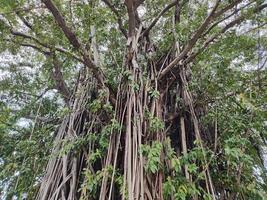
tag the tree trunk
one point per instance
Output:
(143, 106)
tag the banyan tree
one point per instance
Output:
(150, 99)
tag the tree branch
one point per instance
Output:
(226, 17)
(60, 49)
(74, 40)
(62, 24)
(34, 47)
(166, 9)
(58, 78)
(113, 9)
(27, 24)
(56, 73)
(38, 41)
(238, 20)
(192, 41)
(226, 8)
(24, 35)
(199, 33)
